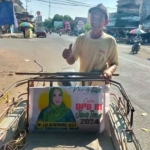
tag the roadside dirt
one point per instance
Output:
(11, 62)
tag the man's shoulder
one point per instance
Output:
(109, 38)
(82, 36)
(106, 37)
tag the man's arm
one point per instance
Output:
(112, 60)
(74, 52)
(113, 68)
(110, 71)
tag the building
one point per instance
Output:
(129, 12)
(21, 14)
(146, 8)
(145, 15)
(112, 20)
(130, 6)
(18, 6)
(80, 22)
(24, 17)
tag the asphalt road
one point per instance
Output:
(134, 71)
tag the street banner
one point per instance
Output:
(66, 108)
(6, 13)
(58, 24)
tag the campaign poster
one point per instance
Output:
(66, 108)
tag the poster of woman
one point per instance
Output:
(56, 111)
(66, 108)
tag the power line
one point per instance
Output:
(76, 2)
(61, 3)
(67, 4)
(56, 6)
(72, 2)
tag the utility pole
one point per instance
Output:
(31, 12)
(27, 4)
(49, 14)
(143, 12)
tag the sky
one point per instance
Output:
(73, 11)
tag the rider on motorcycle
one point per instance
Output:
(138, 38)
(137, 42)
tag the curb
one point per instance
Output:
(13, 36)
(4, 37)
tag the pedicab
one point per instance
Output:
(69, 116)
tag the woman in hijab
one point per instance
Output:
(56, 110)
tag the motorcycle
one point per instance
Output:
(136, 47)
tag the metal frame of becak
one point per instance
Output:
(124, 105)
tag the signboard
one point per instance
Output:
(58, 24)
(133, 18)
(6, 13)
(39, 18)
(38, 13)
(67, 25)
(66, 108)
(80, 24)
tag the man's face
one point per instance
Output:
(98, 20)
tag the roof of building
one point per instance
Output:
(23, 15)
(81, 18)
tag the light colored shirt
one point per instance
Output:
(95, 54)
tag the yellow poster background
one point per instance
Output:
(43, 101)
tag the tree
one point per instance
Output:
(48, 23)
(40, 24)
(67, 18)
(57, 17)
(73, 25)
(87, 27)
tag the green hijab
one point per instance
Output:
(54, 112)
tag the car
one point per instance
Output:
(41, 32)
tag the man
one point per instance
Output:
(96, 50)
(138, 38)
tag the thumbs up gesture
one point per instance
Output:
(67, 52)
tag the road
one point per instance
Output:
(134, 70)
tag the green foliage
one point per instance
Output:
(67, 18)
(40, 24)
(49, 23)
(87, 27)
(73, 25)
(81, 31)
